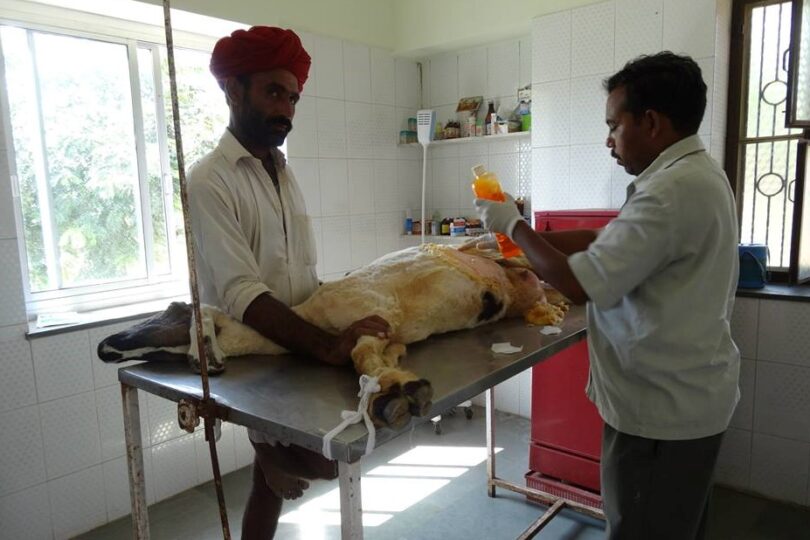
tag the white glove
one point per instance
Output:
(499, 217)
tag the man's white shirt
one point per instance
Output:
(661, 279)
(250, 238)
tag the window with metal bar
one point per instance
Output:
(99, 214)
(765, 150)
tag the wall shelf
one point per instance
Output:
(472, 140)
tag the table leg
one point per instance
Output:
(351, 508)
(489, 398)
(137, 486)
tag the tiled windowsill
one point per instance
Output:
(778, 291)
(103, 317)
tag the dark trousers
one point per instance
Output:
(656, 489)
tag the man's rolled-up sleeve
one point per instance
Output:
(630, 249)
(222, 248)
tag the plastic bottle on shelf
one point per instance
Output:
(487, 186)
(408, 222)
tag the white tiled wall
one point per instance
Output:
(574, 51)
(62, 465)
(343, 149)
(494, 72)
(767, 448)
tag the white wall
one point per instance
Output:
(343, 149)
(767, 448)
(574, 51)
(366, 21)
(426, 27)
(495, 72)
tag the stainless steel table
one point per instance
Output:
(297, 400)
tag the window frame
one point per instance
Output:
(134, 36)
(737, 93)
(794, 63)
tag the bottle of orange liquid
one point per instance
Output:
(486, 186)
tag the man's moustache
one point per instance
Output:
(280, 120)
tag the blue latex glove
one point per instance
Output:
(499, 217)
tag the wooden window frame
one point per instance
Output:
(734, 130)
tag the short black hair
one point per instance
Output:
(664, 82)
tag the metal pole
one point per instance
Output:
(351, 507)
(192, 272)
(542, 521)
(137, 484)
(490, 415)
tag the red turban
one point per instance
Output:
(261, 48)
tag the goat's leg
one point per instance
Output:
(213, 352)
(402, 394)
(392, 353)
(420, 392)
(388, 406)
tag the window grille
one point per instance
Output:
(767, 150)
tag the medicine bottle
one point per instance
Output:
(490, 117)
(487, 186)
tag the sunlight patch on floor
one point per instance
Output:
(452, 456)
(417, 471)
(388, 489)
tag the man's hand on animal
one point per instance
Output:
(499, 217)
(340, 352)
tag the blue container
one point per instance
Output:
(753, 266)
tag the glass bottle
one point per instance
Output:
(488, 120)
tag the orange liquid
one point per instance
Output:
(488, 187)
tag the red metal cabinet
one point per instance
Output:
(566, 429)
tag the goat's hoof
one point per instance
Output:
(419, 394)
(193, 363)
(215, 364)
(392, 409)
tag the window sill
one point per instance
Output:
(103, 317)
(778, 291)
(132, 312)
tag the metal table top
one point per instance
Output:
(298, 400)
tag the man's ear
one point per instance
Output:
(655, 122)
(234, 91)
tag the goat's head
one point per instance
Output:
(164, 333)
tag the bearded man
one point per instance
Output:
(255, 244)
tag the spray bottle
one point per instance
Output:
(486, 186)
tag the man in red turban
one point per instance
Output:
(255, 244)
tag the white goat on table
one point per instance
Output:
(420, 291)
